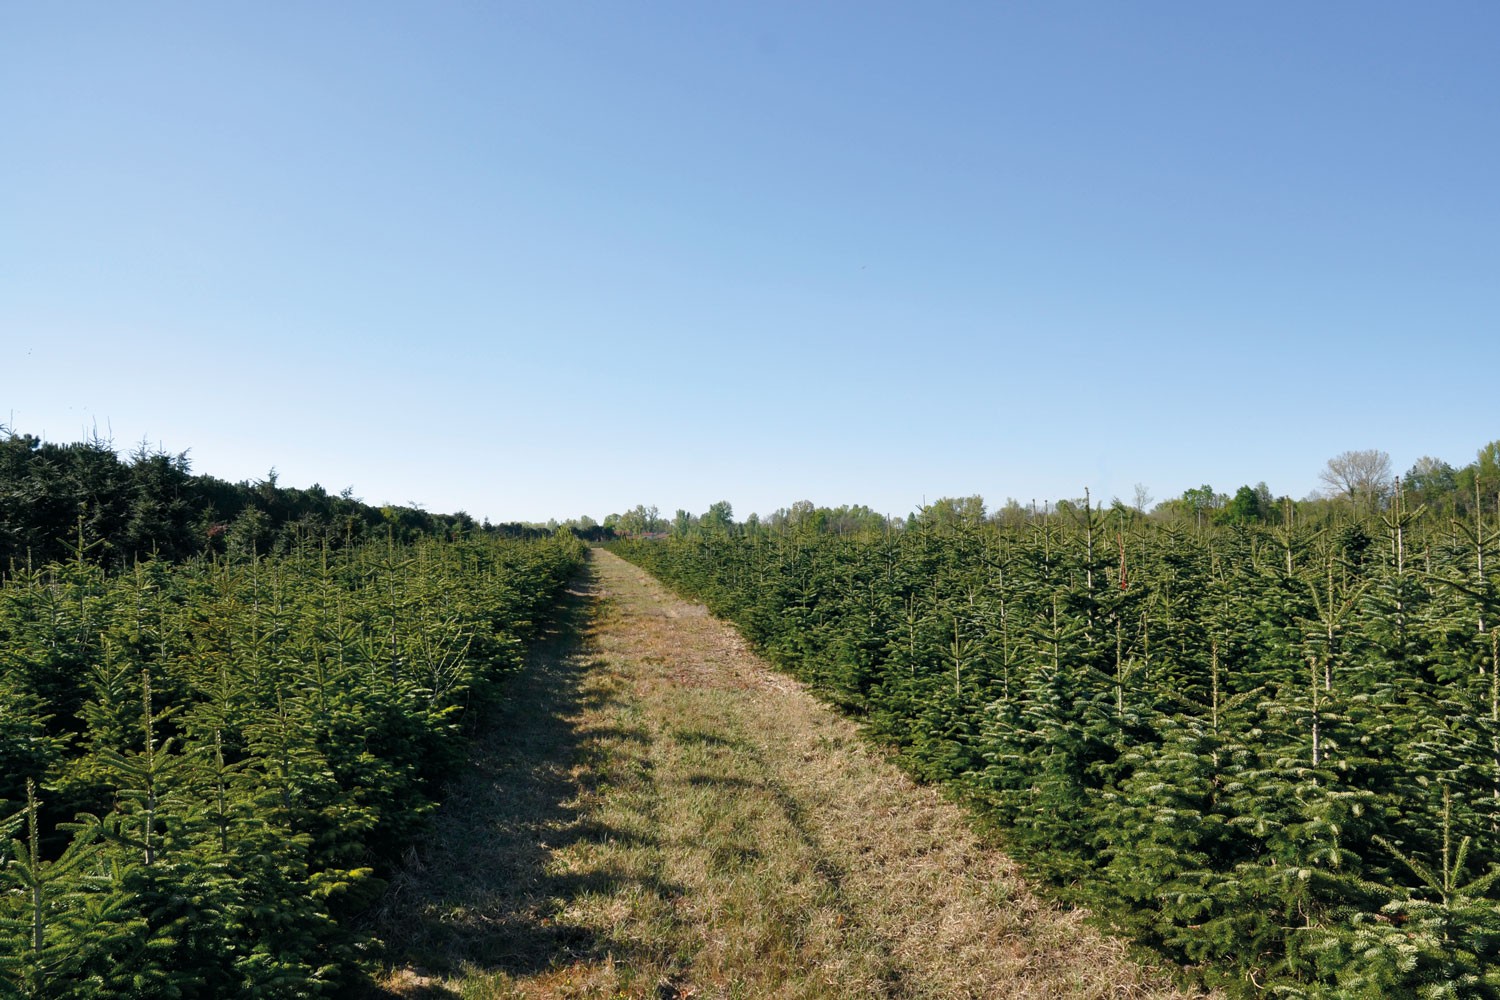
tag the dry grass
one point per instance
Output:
(660, 815)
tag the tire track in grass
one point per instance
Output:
(658, 814)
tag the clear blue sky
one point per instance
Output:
(548, 259)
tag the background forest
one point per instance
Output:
(150, 504)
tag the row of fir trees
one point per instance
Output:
(206, 767)
(1270, 751)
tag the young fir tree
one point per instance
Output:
(43, 941)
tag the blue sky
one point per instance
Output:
(549, 259)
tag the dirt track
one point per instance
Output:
(659, 814)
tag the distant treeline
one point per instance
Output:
(58, 501)
(1363, 478)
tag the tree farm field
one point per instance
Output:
(657, 813)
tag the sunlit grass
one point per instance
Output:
(713, 831)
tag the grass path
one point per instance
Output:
(658, 814)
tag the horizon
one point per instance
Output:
(992, 505)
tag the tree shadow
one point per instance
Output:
(480, 893)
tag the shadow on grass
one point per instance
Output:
(477, 895)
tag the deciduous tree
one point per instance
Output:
(1362, 476)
